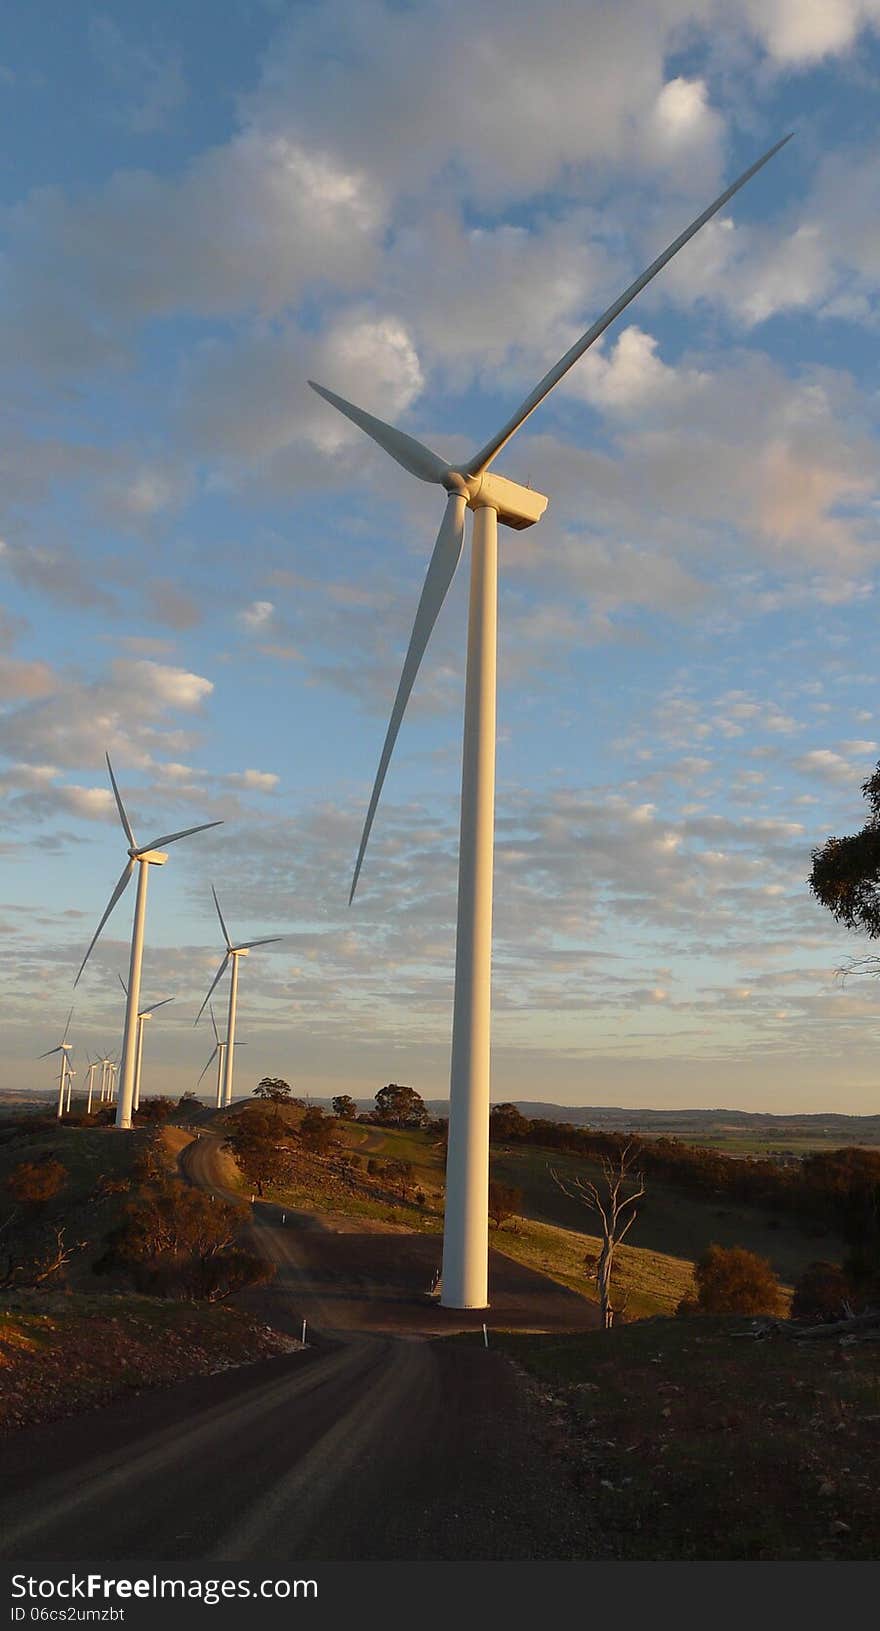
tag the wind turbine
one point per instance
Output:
(145, 856)
(143, 1015)
(219, 1054)
(90, 1076)
(470, 485)
(232, 952)
(64, 1048)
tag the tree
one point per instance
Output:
(398, 1174)
(505, 1123)
(399, 1106)
(344, 1107)
(34, 1183)
(155, 1109)
(30, 1257)
(176, 1241)
(504, 1202)
(823, 1292)
(253, 1141)
(731, 1280)
(317, 1132)
(614, 1201)
(846, 871)
(273, 1089)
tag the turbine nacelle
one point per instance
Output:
(155, 857)
(516, 506)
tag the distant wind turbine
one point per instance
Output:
(144, 856)
(143, 1015)
(232, 953)
(219, 1054)
(64, 1048)
(90, 1076)
(492, 498)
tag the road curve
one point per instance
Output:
(362, 1446)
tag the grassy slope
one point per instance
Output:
(681, 1441)
(653, 1270)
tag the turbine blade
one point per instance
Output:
(220, 915)
(172, 837)
(122, 982)
(217, 977)
(208, 1066)
(119, 890)
(405, 450)
(120, 806)
(155, 1005)
(49, 1052)
(246, 945)
(441, 571)
(483, 459)
(214, 1023)
(67, 1026)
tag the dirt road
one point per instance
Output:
(363, 1446)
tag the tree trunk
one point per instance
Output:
(603, 1276)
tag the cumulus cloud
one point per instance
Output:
(797, 33)
(147, 247)
(258, 781)
(122, 713)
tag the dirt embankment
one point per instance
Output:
(61, 1354)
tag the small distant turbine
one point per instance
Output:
(470, 485)
(93, 1065)
(219, 1054)
(233, 953)
(143, 1015)
(145, 856)
(64, 1048)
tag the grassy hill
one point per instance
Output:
(554, 1235)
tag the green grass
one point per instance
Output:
(645, 1282)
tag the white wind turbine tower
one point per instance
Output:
(145, 856)
(90, 1077)
(143, 1015)
(492, 498)
(64, 1048)
(232, 954)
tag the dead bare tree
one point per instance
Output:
(30, 1266)
(613, 1201)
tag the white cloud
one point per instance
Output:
(258, 781)
(257, 615)
(797, 33)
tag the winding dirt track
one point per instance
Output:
(365, 1445)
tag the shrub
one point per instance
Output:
(731, 1280)
(504, 1202)
(33, 1183)
(821, 1292)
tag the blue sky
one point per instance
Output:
(209, 574)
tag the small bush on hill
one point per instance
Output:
(176, 1242)
(33, 1183)
(821, 1292)
(731, 1280)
